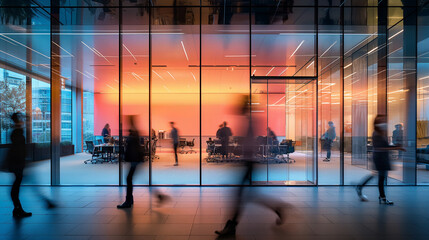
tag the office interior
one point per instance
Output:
(74, 66)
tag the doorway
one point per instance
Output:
(286, 112)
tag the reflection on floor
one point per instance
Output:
(194, 213)
(75, 172)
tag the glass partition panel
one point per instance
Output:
(360, 90)
(135, 87)
(175, 94)
(89, 69)
(25, 88)
(224, 80)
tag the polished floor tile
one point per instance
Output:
(194, 213)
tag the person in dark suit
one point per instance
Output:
(381, 159)
(175, 136)
(16, 163)
(106, 133)
(224, 135)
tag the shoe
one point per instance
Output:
(326, 160)
(162, 199)
(229, 229)
(384, 201)
(20, 213)
(176, 164)
(125, 205)
(50, 204)
(279, 213)
(129, 201)
(361, 196)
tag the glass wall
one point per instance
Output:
(25, 86)
(317, 76)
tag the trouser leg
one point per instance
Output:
(130, 180)
(175, 146)
(381, 179)
(14, 193)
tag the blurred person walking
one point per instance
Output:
(248, 145)
(381, 159)
(134, 154)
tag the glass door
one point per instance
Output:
(285, 110)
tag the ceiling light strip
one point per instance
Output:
(296, 49)
(184, 50)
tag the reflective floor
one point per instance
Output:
(194, 213)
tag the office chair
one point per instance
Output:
(95, 152)
(99, 141)
(191, 144)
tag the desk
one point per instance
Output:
(109, 151)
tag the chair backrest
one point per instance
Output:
(90, 146)
(182, 142)
(99, 141)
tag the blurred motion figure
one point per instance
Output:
(381, 159)
(248, 146)
(134, 154)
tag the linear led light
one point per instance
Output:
(350, 75)
(348, 65)
(130, 52)
(166, 88)
(372, 50)
(310, 64)
(279, 100)
(238, 56)
(270, 71)
(62, 48)
(82, 73)
(296, 49)
(110, 86)
(136, 76)
(283, 71)
(184, 50)
(171, 75)
(13, 40)
(17, 58)
(91, 75)
(101, 55)
(195, 79)
(328, 49)
(254, 72)
(158, 75)
(90, 48)
(423, 78)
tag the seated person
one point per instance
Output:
(106, 133)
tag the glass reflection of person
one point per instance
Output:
(106, 133)
(329, 137)
(380, 158)
(175, 136)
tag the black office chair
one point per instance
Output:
(191, 144)
(286, 147)
(99, 141)
(95, 152)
